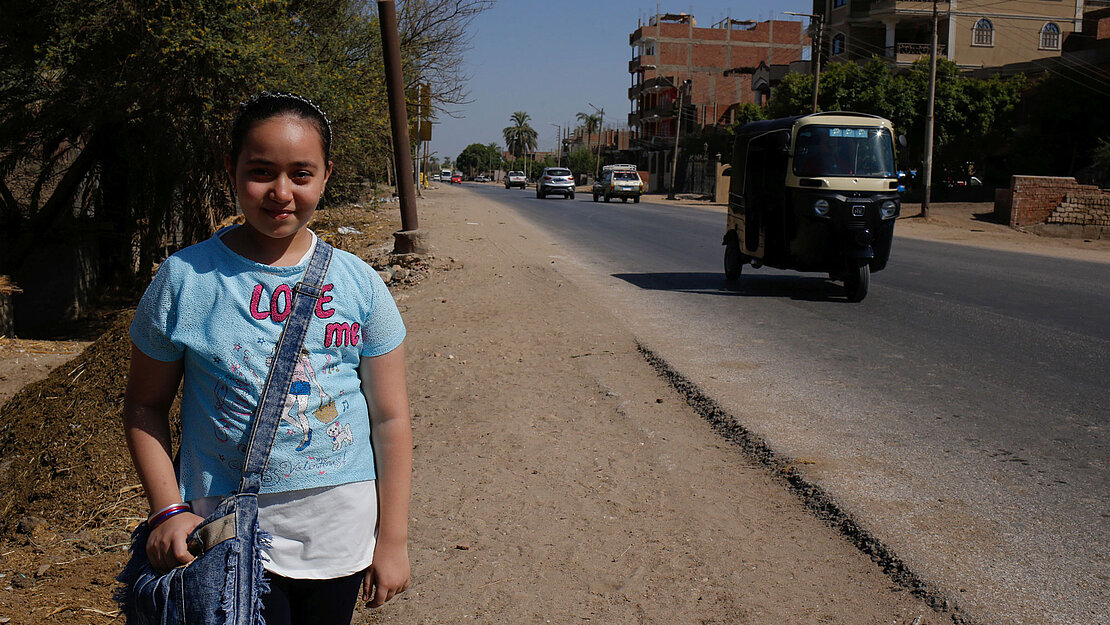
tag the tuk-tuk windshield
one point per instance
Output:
(844, 151)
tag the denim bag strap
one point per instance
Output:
(267, 414)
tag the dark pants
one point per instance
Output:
(311, 601)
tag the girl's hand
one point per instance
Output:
(165, 548)
(388, 576)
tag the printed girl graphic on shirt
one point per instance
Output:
(295, 410)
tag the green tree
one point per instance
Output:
(477, 158)
(747, 112)
(971, 116)
(591, 122)
(494, 152)
(1100, 164)
(581, 160)
(1063, 119)
(114, 115)
(520, 137)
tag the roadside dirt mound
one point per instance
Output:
(60, 440)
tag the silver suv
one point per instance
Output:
(555, 180)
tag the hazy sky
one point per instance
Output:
(553, 58)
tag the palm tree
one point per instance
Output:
(520, 138)
(494, 158)
(591, 121)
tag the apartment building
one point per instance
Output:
(971, 33)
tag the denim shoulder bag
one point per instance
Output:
(225, 583)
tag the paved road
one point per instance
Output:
(960, 412)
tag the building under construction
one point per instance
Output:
(708, 69)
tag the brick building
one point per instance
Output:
(670, 49)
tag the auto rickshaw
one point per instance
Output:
(816, 193)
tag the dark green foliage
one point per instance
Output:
(113, 115)
(477, 158)
(1064, 119)
(973, 118)
(581, 160)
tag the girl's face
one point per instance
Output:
(280, 175)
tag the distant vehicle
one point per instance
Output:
(621, 181)
(555, 180)
(815, 192)
(445, 175)
(456, 178)
(436, 177)
(515, 179)
(481, 178)
(973, 181)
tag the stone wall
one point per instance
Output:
(1034, 200)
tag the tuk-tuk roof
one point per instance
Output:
(785, 123)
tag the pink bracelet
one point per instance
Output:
(159, 517)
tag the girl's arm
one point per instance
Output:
(151, 387)
(383, 383)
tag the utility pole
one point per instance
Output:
(817, 23)
(409, 239)
(928, 173)
(677, 132)
(817, 61)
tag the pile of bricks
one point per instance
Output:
(1083, 209)
(1035, 200)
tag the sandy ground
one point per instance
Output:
(558, 479)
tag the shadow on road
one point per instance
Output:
(807, 288)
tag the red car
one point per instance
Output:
(456, 178)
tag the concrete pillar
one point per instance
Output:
(950, 54)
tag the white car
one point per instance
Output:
(515, 179)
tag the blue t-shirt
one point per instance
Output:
(223, 314)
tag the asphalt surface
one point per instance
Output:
(959, 413)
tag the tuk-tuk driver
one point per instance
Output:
(824, 159)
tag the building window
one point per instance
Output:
(983, 33)
(838, 44)
(839, 3)
(1050, 37)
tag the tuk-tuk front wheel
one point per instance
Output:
(734, 260)
(857, 279)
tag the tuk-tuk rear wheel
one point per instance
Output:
(734, 260)
(857, 279)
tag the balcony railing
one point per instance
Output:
(643, 59)
(900, 50)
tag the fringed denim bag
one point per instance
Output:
(225, 583)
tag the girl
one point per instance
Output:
(337, 506)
